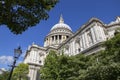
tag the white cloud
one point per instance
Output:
(6, 59)
(3, 69)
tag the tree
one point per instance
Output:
(4, 75)
(113, 48)
(19, 15)
(63, 67)
(20, 72)
(103, 72)
(49, 71)
(104, 65)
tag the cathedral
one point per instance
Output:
(88, 39)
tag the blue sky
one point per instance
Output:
(75, 14)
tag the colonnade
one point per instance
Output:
(55, 40)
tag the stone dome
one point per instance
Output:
(58, 34)
(61, 24)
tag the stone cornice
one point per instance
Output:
(60, 33)
(34, 64)
(112, 25)
(99, 44)
(51, 47)
(64, 32)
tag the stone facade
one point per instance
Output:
(87, 40)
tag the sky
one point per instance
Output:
(75, 13)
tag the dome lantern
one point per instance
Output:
(61, 19)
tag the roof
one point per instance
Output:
(61, 24)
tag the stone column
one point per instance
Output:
(73, 47)
(29, 76)
(81, 44)
(96, 32)
(93, 35)
(86, 39)
(50, 40)
(69, 50)
(32, 72)
(63, 37)
(83, 41)
(58, 39)
(102, 33)
(35, 73)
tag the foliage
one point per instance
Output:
(4, 76)
(63, 67)
(103, 72)
(20, 72)
(104, 65)
(49, 70)
(19, 15)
